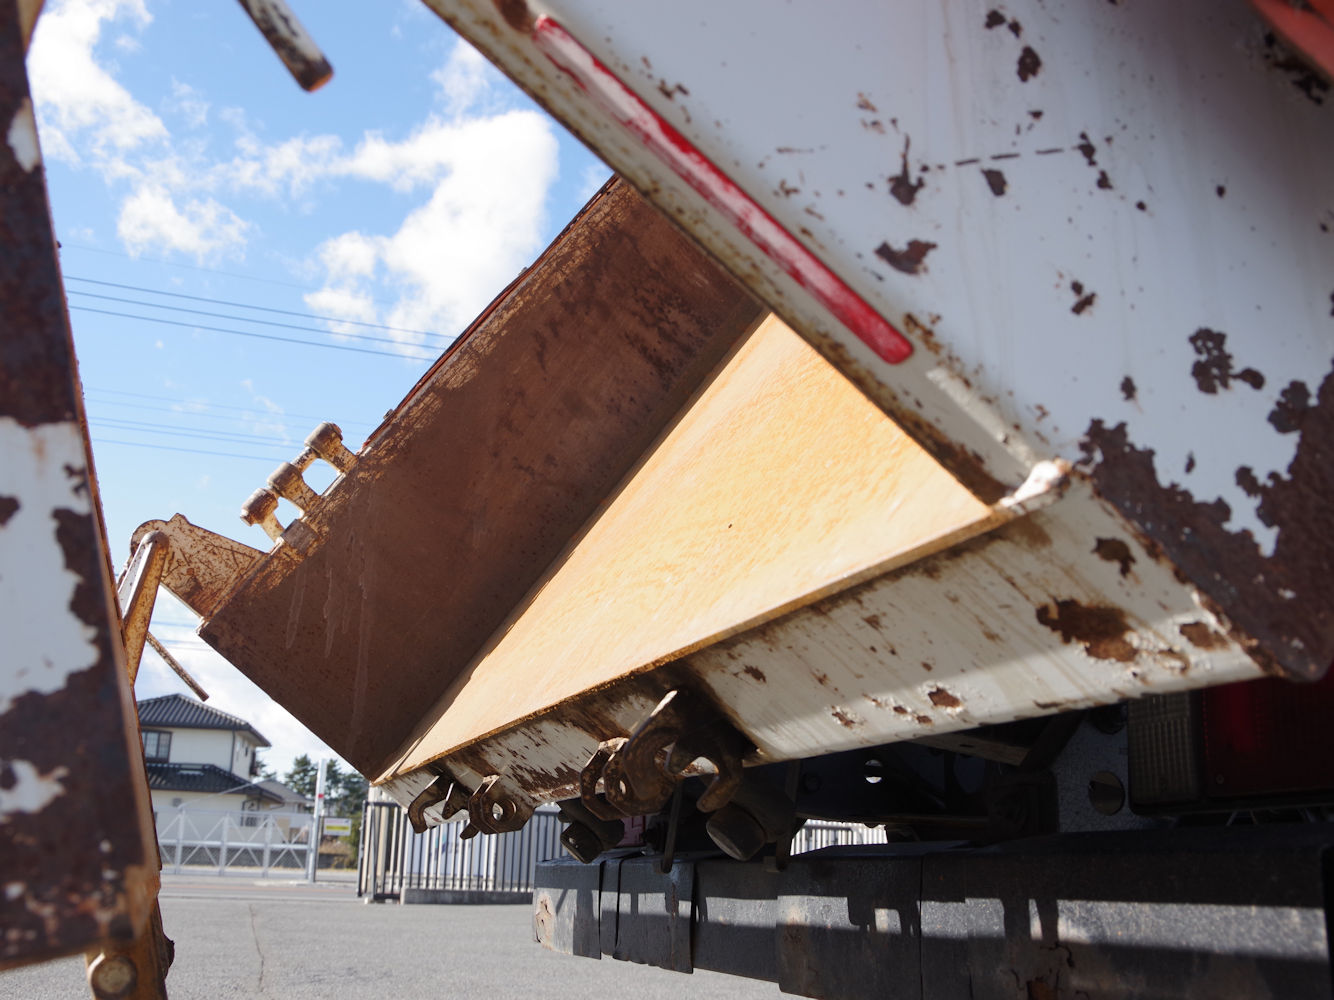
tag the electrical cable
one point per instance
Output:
(202, 434)
(257, 336)
(247, 305)
(208, 406)
(246, 319)
(192, 451)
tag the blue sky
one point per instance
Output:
(371, 220)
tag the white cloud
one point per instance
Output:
(483, 221)
(150, 219)
(592, 179)
(80, 104)
(229, 691)
(465, 80)
(186, 101)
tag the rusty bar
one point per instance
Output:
(136, 594)
(289, 40)
(172, 662)
(76, 847)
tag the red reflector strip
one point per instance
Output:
(693, 167)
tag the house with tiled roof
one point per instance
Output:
(199, 756)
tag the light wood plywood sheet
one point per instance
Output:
(779, 485)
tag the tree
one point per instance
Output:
(301, 778)
(263, 769)
(344, 791)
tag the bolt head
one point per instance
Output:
(112, 976)
(736, 832)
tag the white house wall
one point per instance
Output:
(201, 746)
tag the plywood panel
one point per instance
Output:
(781, 484)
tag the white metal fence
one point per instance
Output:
(394, 858)
(223, 840)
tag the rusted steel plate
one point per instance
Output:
(364, 613)
(76, 851)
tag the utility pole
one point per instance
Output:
(317, 823)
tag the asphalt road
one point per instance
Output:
(247, 938)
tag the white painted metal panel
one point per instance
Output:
(1084, 216)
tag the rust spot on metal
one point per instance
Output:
(924, 333)
(1291, 635)
(873, 621)
(1104, 182)
(927, 667)
(943, 699)
(1028, 533)
(1290, 410)
(846, 719)
(909, 259)
(670, 91)
(994, 19)
(516, 15)
(822, 679)
(1303, 77)
(1201, 635)
(900, 710)
(1083, 303)
(1029, 64)
(755, 672)
(864, 104)
(1245, 478)
(996, 181)
(1015, 27)
(1128, 389)
(924, 720)
(1047, 706)
(1087, 148)
(8, 508)
(1115, 550)
(1100, 628)
(1141, 206)
(901, 185)
(1190, 462)
(1214, 368)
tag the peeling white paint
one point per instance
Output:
(32, 791)
(44, 470)
(22, 137)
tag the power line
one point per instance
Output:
(193, 267)
(202, 434)
(247, 305)
(246, 319)
(211, 406)
(257, 336)
(192, 451)
(233, 418)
